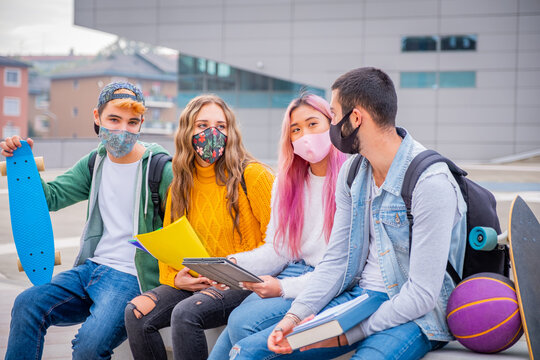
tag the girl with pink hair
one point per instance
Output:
(302, 216)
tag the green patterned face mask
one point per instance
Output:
(210, 144)
(118, 143)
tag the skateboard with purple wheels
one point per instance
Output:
(523, 238)
(30, 219)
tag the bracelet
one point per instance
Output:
(338, 341)
(293, 317)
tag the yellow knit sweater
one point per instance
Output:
(211, 220)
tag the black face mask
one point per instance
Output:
(349, 143)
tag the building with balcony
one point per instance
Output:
(74, 92)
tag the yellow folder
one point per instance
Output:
(173, 243)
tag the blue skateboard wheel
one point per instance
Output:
(483, 238)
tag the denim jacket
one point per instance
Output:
(348, 247)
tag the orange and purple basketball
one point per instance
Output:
(483, 313)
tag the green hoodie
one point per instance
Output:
(77, 184)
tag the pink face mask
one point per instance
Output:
(313, 147)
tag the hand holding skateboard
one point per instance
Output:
(30, 219)
(11, 144)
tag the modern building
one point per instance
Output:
(74, 92)
(13, 97)
(467, 71)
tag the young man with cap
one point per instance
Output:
(108, 270)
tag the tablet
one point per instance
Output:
(221, 270)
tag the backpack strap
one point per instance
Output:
(157, 163)
(353, 170)
(417, 166)
(92, 162)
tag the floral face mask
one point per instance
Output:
(118, 143)
(209, 144)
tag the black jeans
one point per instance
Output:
(188, 314)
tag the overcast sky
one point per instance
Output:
(45, 27)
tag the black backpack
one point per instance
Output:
(157, 163)
(481, 211)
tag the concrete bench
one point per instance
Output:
(123, 352)
(452, 351)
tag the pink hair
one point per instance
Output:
(293, 171)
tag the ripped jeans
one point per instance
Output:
(188, 314)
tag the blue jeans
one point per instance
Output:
(263, 314)
(188, 314)
(401, 342)
(92, 294)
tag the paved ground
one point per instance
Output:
(505, 180)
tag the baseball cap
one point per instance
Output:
(107, 94)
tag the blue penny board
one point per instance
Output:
(30, 219)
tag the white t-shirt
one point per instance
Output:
(266, 260)
(116, 201)
(371, 278)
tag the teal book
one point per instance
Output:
(333, 322)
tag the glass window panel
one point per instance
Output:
(200, 66)
(284, 85)
(457, 79)
(12, 106)
(419, 43)
(183, 98)
(253, 81)
(211, 67)
(186, 64)
(418, 80)
(193, 82)
(458, 43)
(259, 99)
(224, 70)
(315, 91)
(229, 97)
(216, 83)
(282, 99)
(12, 77)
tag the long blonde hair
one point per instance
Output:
(229, 168)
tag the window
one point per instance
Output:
(211, 67)
(12, 77)
(190, 82)
(42, 101)
(156, 114)
(75, 112)
(10, 130)
(458, 43)
(284, 85)
(457, 79)
(75, 84)
(156, 89)
(418, 80)
(41, 123)
(245, 89)
(419, 43)
(12, 106)
(253, 81)
(443, 79)
(191, 65)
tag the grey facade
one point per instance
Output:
(314, 41)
